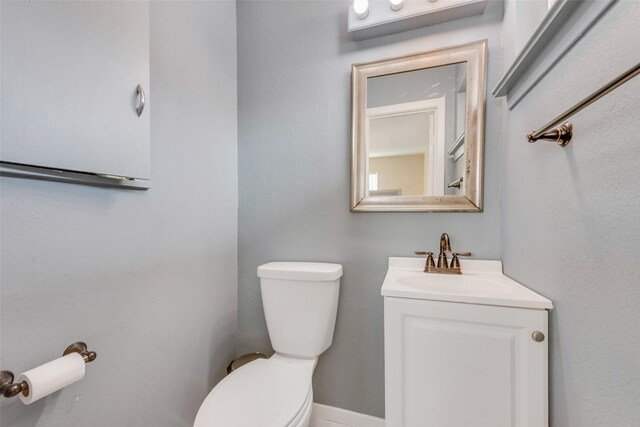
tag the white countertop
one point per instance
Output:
(481, 282)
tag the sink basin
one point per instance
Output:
(481, 282)
(455, 284)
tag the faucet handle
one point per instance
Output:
(429, 263)
(455, 263)
(428, 254)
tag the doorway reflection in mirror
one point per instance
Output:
(415, 131)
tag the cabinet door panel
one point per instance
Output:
(458, 365)
(69, 76)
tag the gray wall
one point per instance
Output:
(571, 229)
(294, 91)
(412, 86)
(148, 279)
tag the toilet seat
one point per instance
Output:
(273, 392)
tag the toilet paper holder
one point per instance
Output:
(10, 389)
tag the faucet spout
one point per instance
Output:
(445, 245)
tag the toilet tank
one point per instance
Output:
(300, 301)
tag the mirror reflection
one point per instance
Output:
(415, 123)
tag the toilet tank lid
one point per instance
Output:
(309, 271)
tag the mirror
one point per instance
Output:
(418, 131)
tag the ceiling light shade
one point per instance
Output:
(361, 8)
(396, 4)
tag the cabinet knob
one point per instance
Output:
(537, 336)
(141, 100)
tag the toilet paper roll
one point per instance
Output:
(52, 376)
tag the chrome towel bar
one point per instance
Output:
(562, 134)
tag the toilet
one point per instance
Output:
(300, 301)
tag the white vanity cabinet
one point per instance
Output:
(70, 72)
(453, 362)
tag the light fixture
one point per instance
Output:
(396, 4)
(361, 8)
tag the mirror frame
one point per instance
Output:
(475, 55)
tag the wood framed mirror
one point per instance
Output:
(418, 131)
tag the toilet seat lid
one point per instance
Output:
(264, 393)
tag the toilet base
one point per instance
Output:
(304, 416)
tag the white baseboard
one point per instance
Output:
(329, 416)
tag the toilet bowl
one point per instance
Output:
(273, 392)
(300, 303)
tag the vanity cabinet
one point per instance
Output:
(455, 364)
(70, 80)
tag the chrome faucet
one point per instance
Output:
(443, 265)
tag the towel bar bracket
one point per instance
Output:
(562, 135)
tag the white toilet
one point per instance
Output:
(300, 302)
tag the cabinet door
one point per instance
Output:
(70, 70)
(463, 365)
